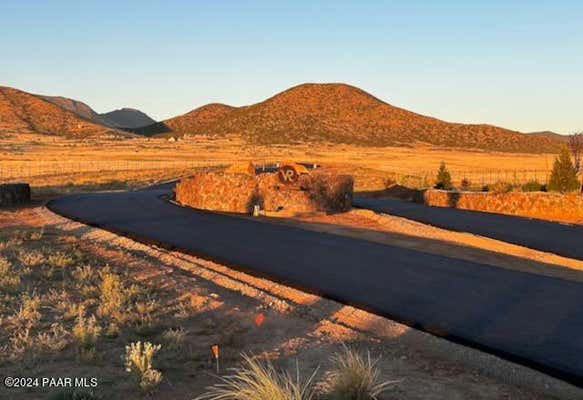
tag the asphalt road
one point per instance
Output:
(553, 237)
(530, 319)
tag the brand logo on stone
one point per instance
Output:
(288, 174)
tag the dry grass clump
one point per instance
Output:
(86, 332)
(53, 340)
(31, 258)
(257, 380)
(174, 338)
(29, 312)
(139, 362)
(9, 278)
(112, 295)
(355, 377)
(60, 259)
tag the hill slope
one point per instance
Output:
(22, 112)
(343, 113)
(123, 118)
(128, 118)
(197, 121)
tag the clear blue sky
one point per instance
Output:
(517, 64)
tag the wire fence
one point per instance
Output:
(18, 170)
(11, 171)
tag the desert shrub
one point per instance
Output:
(174, 338)
(9, 278)
(55, 339)
(83, 274)
(259, 381)
(86, 332)
(563, 176)
(112, 295)
(355, 377)
(443, 179)
(501, 187)
(60, 259)
(30, 258)
(28, 314)
(139, 362)
(533, 186)
(465, 184)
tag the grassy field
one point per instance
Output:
(59, 162)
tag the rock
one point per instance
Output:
(241, 167)
(12, 194)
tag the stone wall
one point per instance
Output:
(13, 194)
(240, 192)
(549, 206)
(218, 191)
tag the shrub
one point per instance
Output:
(60, 260)
(563, 177)
(533, 186)
(501, 187)
(30, 258)
(86, 332)
(138, 362)
(443, 180)
(259, 381)
(112, 295)
(174, 337)
(28, 314)
(9, 279)
(466, 184)
(355, 377)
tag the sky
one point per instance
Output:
(516, 64)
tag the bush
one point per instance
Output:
(533, 186)
(563, 177)
(86, 332)
(501, 187)
(259, 381)
(139, 360)
(465, 185)
(355, 377)
(443, 180)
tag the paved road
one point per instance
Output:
(531, 319)
(562, 239)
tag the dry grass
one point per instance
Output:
(355, 376)
(257, 380)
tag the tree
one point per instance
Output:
(576, 147)
(563, 177)
(443, 180)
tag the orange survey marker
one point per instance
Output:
(259, 319)
(215, 350)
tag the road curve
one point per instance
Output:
(526, 318)
(562, 239)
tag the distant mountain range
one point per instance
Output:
(307, 113)
(125, 118)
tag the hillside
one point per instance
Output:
(550, 135)
(123, 118)
(343, 114)
(197, 121)
(22, 112)
(128, 118)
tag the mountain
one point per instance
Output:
(22, 112)
(197, 121)
(124, 118)
(550, 135)
(128, 118)
(342, 113)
